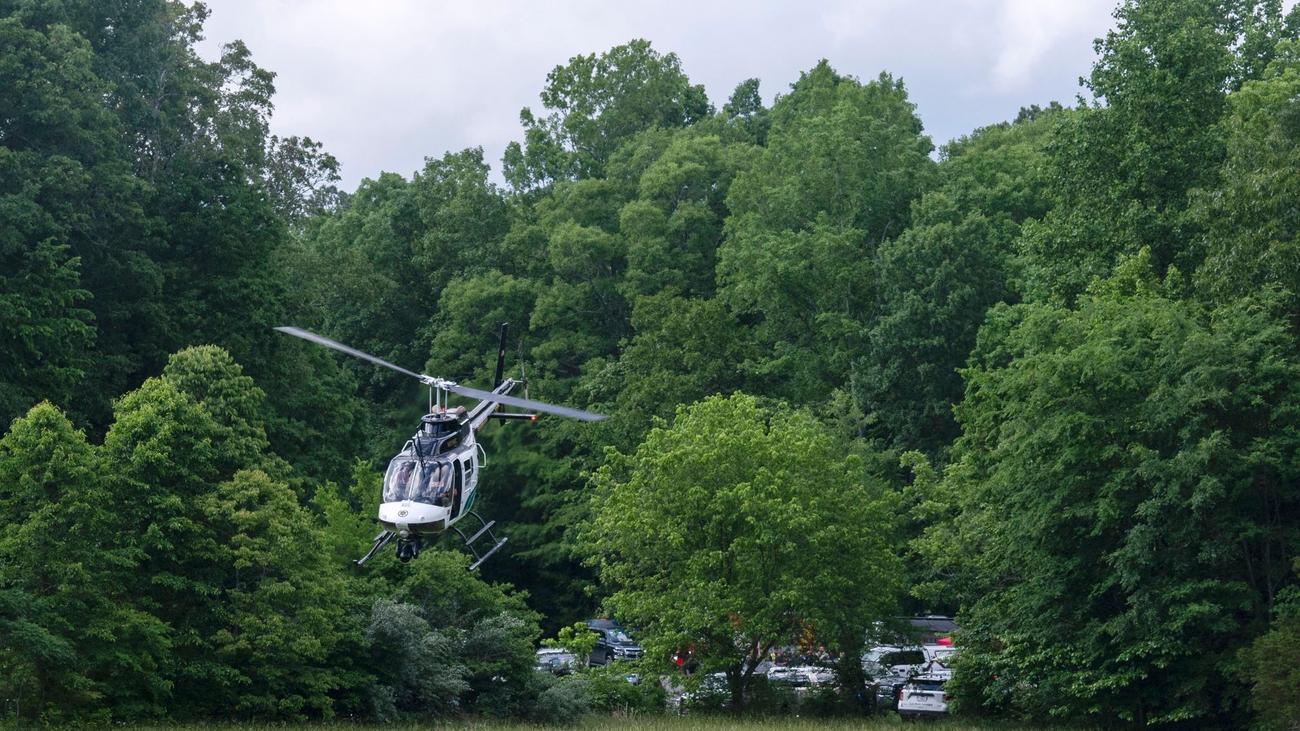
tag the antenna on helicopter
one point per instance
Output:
(501, 357)
(523, 374)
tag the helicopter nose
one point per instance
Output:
(413, 514)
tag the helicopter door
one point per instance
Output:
(471, 474)
(457, 493)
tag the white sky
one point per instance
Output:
(384, 84)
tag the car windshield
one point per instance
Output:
(927, 684)
(408, 479)
(618, 635)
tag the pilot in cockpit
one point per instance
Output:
(399, 476)
(427, 483)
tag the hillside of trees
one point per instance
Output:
(1044, 377)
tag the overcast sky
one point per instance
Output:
(384, 84)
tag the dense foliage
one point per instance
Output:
(717, 535)
(1045, 378)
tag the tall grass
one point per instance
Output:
(612, 723)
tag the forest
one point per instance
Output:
(1044, 378)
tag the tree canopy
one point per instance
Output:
(719, 535)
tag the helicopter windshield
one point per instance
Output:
(398, 476)
(408, 479)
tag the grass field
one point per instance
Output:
(608, 723)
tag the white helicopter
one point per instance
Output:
(430, 485)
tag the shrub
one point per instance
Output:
(1272, 665)
(560, 701)
(612, 691)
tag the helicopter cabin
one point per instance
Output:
(429, 481)
(423, 472)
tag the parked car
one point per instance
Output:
(801, 678)
(612, 642)
(818, 675)
(555, 660)
(939, 657)
(889, 667)
(787, 675)
(923, 696)
(885, 660)
(886, 689)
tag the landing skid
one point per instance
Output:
(381, 540)
(485, 529)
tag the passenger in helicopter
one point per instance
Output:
(431, 485)
(426, 485)
(442, 495)
(396, 482)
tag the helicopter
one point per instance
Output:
(430, 485)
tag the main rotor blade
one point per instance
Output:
(298, 332)
(525, 403)
(473, 393)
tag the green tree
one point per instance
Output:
(843, 162)
(354, 275)
(466, 330)
(161, 457)
(936, 281)
(1251, 229)
(737, 529)
(1271, 662)
(577, 639)
(75, 645)
(674, 226)
(1121, 499)
(746, 116)
(683, 350)
(209, 376)
(300, 179)
(281, 624)
(60, 179)
(227, 559)
(141, 184)
(1122, 167)
(421, 675)
(453, 642)
(27, 650)
(371, 274)
(596, 103)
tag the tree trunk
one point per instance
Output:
(736, 684)
(848, 668)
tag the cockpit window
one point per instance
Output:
(398, 477)
(435, 484)
(408, 479)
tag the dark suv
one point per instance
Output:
(612, 643)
